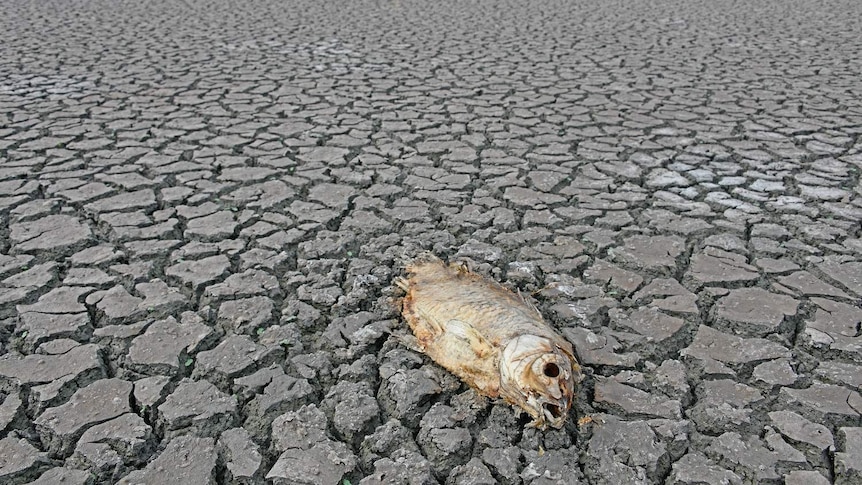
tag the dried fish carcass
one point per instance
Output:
(493, 339)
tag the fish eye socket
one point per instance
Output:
(551, 369)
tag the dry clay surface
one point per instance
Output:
(203, 205)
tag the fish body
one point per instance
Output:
(491, 338)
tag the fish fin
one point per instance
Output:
(401, 282)
(529, 303)
(426, 328)
(481, 347)
(461, 267)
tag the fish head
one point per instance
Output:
(539, 374)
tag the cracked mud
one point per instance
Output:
(203, 206)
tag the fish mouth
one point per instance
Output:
(553, 414)
(547, 412)
(552, 411)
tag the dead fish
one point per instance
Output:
(493, 339)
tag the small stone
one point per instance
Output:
(139, 199)
(840, 372)
(775, 372)
(835, 326)
(712, 344)
(249, 283)
(107, 446)
(754, 311)
(754, 461)
(62, 475)
(661, 178)
(96, 255)
(634, 401)
(443, 441)
(102, 400)
(213, 227)
(723, 404)
(148, 391)
(621, 451)
(115, 306)
(599, 348)
(614, 276)
(197, 407)
(776, 266)
(187, 460)
(555, 466)
(801, 430)
(355, 414)
(198, 273)
(474, 472)
(10, 408)
(234, 355)
(325, 462)
(299, 429)
(809, 285)
(52, 233)
(160, 299)
(159, 349)
(241, 454)
(246, 314)
(717, 266)
(800, 477)
(670, 378)
(823, 403)
(653, 324)
(405, 394)
(389, 438)
(848, 463)
(678, 298)
(847, 273)
(281, 393)
(88, 277)
(529, 198)
(505, 461)
(696, 469)
(35, 369)
(650, 252)
(18, 458)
